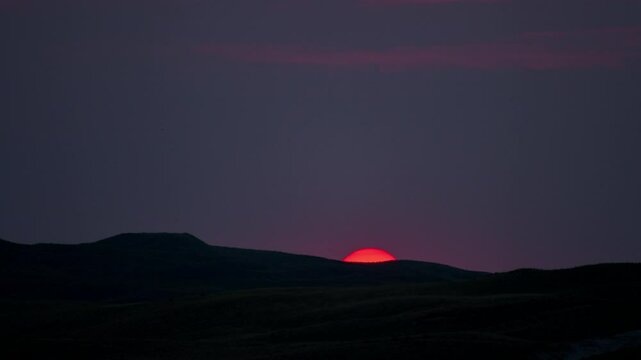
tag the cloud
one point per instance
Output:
(424, 2)
(606, 48)
(379, 3)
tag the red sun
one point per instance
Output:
(369, 255)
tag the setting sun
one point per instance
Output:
(369, 255)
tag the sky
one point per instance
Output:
(484, 134)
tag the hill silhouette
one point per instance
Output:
(154, 265)
(581, 313)
(172, 296)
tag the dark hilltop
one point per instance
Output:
(172, 296)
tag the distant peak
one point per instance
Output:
(153, 240)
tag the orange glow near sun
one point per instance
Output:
(369, 255)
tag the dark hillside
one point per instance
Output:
(145, 266)
(159, 296)
(459, 320)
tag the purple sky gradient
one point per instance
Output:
(483, 134)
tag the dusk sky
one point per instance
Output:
(484, 134)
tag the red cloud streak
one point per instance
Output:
(610, 48)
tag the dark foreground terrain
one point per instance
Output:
(589, 312)
(132, 267)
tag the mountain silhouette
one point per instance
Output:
(152, 265)
(172, 296)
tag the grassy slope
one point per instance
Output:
(514, 315)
